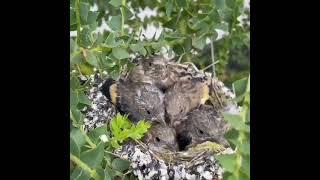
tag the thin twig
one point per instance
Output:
(212, 57)
(212, 64)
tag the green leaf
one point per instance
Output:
(115, 3)
(187, 44)
(178, 49)
(240, 86)
(120, 53)
(74, 82)
(78, 137)
(230, 3)
(74, 148)
(92, 59)
(115, 23)
(111, 41)
(120, 164)
(85, 37)
(232, 136)
(92, 17)
(79, 174)
(245, 165)
(83, 98)
(214, 16)
(223, 26)
(76, 58)
(73, 19)
(107, 176)
(182, 26)
(228, 162)
(199, 42)
(181, 3)
(236, 122)
(95, 134)
(73, 98)
(93, 157)
(220, 3)
(84, 10)
(169, 7)
(139, 130)
(119, 123)
(76, 116)
(138, 48)
(128, 12)
(245, 148)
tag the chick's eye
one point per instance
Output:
(157, 139)
(201, 132)
(148, 112)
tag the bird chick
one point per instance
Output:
(161, 138)
(158, 71)
(200, 125)
(184, 96)
(138, 100)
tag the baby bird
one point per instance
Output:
(200, 125)
(158, 71)
(138, 100)
(161, 138)
(184, 96)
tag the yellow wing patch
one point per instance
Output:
(113, 93)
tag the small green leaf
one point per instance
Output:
(93, 157)
(245, 148)
(79, 174)
(139, 130)
(128, 12)
(230, 3)
(245, 165)
(169, 7)
(240, 86)
(73, 19)
(120, 53)
(84, 10)
(76, 115)
(115, 3)
(111, 41)
(214, 15)
(138, 48)
(78, 137)
(74, 82)
(115, 23)
(199, 42)
(73, 98)
(92, 17)
(232, 136)
(85, 37)
(92, 59)
(178, 49)
(236, 122)
(120, 164)
(219, 3)
(83, 98)
(181, 3)
(95, 134)
(228, 161)
(76, 58)
(74, 148)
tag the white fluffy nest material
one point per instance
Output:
(144, 163)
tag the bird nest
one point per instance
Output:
(197, 162)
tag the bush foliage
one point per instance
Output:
(204, 32)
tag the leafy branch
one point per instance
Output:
(84, 166)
